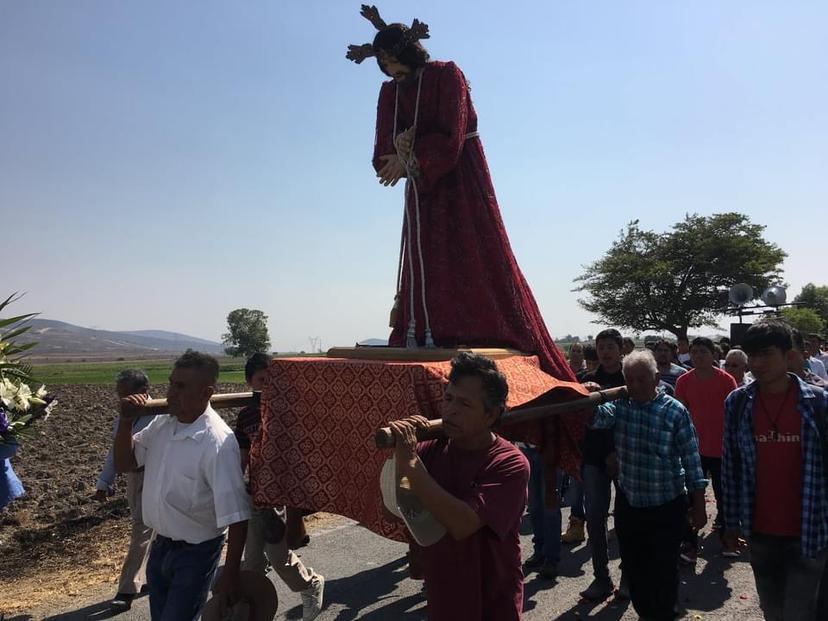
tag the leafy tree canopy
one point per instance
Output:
(806, 320)
(247, 333)
(815, 298)
(679, 279)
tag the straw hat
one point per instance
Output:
(259, 601)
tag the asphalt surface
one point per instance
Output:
(366, 578)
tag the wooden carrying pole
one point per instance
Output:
(385, 438)
(219, 402)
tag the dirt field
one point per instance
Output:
(56, 540)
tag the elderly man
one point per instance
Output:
(474, 484)
(658, 460)
(128, 382)
(193, 491)
(736, 365)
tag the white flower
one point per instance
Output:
(8, 392)
(24, 393)
(41, 392)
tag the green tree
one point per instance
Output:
(679, 279)
(806, 320)
(247, 332)
(815, 298)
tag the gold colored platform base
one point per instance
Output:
(421, 354)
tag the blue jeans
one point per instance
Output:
(597, 492)
(546, 522)
(179, 576)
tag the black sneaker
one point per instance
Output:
(549, 570)
(121, 602)
(533, 562)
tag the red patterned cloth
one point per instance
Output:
(319, 415)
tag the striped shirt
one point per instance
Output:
(739, 466)
(658, 455)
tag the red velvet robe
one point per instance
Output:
(476, 294)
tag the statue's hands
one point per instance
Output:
(391, 171)
(403, 143)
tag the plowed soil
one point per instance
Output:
(56, 540)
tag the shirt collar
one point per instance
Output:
(196, 429)
(805, 391)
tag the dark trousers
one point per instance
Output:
(597, 494)
(649, 540)
(179, 576)
(713, 466)
(787, 582)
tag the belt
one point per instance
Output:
(176, 544)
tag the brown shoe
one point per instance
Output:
(575, 532)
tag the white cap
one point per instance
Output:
(423, 526)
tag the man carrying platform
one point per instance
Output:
(473, 483)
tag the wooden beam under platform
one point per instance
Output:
(420, 354)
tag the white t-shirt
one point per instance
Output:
(193, 485)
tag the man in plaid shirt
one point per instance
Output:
(658, 460)
(774, 478)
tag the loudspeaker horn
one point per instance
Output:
(741, 294)
(774, 296)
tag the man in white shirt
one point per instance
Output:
(193, 491)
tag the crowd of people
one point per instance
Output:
(749, 421)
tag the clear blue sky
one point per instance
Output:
(163, 163)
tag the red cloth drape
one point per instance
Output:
(316, 446)
(476, 294)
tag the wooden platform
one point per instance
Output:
(421, 354)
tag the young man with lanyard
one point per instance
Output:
(774, 475)
(474, 484)
(193, 491)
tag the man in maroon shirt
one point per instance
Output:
(474, 484)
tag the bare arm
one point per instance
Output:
(228, 583)
(124, 452)
(457, 516)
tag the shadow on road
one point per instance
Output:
(369, 587)
(99, 610)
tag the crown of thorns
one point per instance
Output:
(418, 30)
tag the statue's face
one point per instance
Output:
(394, 67)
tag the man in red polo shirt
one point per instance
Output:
(474, 484)
(703, 391)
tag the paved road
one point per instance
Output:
(367, 579)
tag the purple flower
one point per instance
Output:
(4, 421)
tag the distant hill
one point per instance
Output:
(57, 338)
